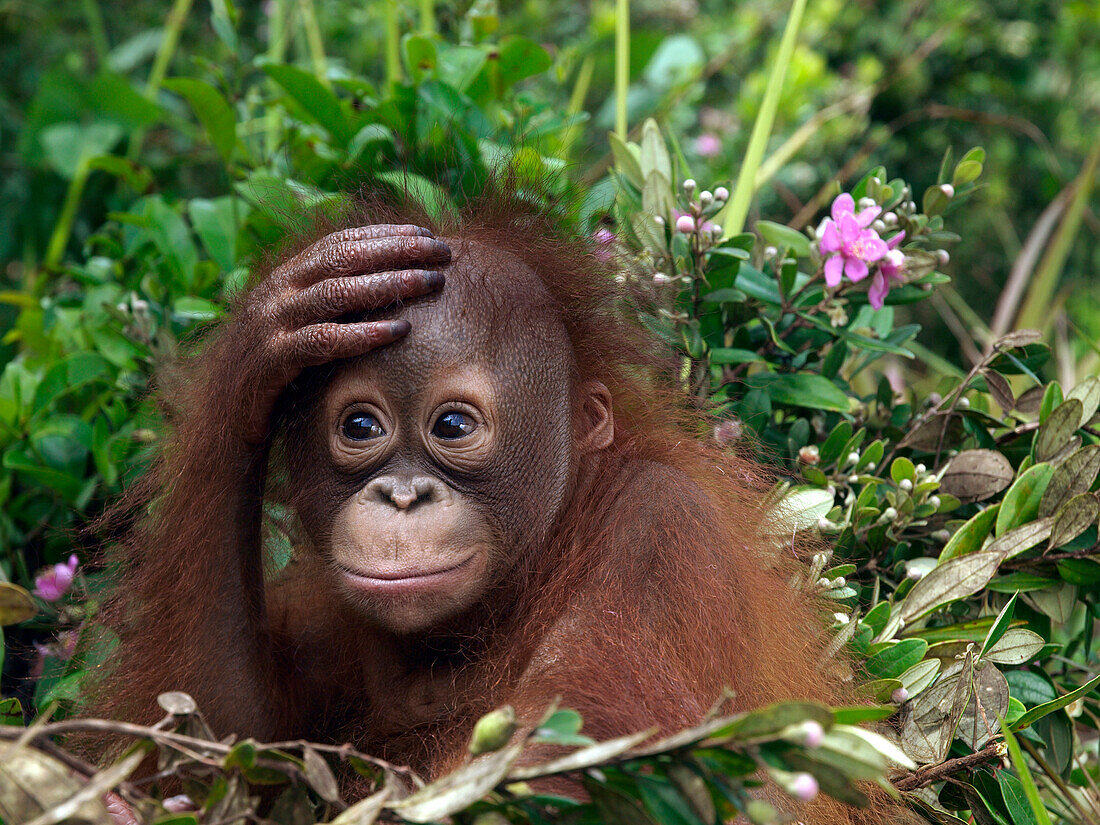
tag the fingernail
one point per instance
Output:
(399, 328)
(443, 249)
(427, 233)
(434, 279)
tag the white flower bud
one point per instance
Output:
(964, 403)
(871, 465)
(948, 190)
(705, 198)
(921, 469)
(770, 251)
(823, 583)
(935, 502)
(879, 226)
(890, 218)
(899, 696)
(657, 219)
(942, 536)
(689, 185)
(839, 581)
(852, 458)
(943, 256)
(906, 485)
(890, 514)
(721, 194)
(853, 479)
(914, 573)
(866, 203)
(661, 278)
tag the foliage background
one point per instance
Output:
(150, 149)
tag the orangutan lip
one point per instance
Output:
(403, 581)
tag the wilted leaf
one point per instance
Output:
(319, 775)
(177, 703)
(16, 604)
(934, 716)
(988, 702)
(694, 789)
(1070, 478)
(458, 790)
(365, 811)
(1021, 538)
(1056, 602)
(580, 759)
(951, 580)
(1088, 393)
(1057, 430)
(1000, 389)
(1019, 338)
(1029, 401)
(1074, 518)
(975, 475)
(1015, 647)
(939, 431)
(1021, 502)
(32, 782)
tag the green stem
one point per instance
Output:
(393, 44)
(738, 208)
(59, 238)
(97, 30)
(622, 64)
(173, 26)
(313, 38)
(576, 104)
(276, 52)
(427, 17)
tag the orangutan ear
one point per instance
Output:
(596, 420)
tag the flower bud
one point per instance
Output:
(809, 734)
(803, 786)
(661, 278)
(899, 696)
(657, 219)
(889, 514)
(912, 205)
(942, 536)
(705, 198)
(914, 573)
(890, 218)
(948, 190)
(770, 251)
(921, 469)
(906, 485)
(809, 454)
(853, 479)
(878, 226)
(964, 402)
(839, 581)
(871, 466)
(853, 458)
(721, 194)
(689, 185)
(935, 501)
(685, 224)
(493, 730)
(867, 203)
(943, 256)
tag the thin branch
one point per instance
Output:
(930, 774)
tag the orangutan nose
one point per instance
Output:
(404, 492)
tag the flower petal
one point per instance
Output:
(855, 269)
(834, 270)
(867, 216)
(894, 241)
(844, 204)
(871, 247)
(830, 237)
(849, 229)
(876, 294)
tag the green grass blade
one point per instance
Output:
(622, 64)
(738, 209)
(1022, 770)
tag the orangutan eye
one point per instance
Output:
(452, 425)
(362, 426)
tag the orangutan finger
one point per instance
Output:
(322, 343)
(344, 258)
(334, 297)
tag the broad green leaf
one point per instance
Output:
(68, 375)
(1031, 688)
(1027, 783)
(968, 538)
(1084, 572)
(951, 580)
(802, 507)
(896, 659)
(1088, 393)
(801, 390)
(212, 110)
(420, 56)
(1015, 799)
(782, 236)
(315, 99)
(215, 222)
(725, 355)
(11, 713)
(1021, 502)
(521, 58)
(627, 160)
(999, 626)
(920, 676)
(902, 469)
(654, 156)
(69, 145)
(1057, 602)
(1021, 538)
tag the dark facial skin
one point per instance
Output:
(446, 456)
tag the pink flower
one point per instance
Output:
(605, 238)
(889, 272)
(56, 581)
(848, 243)
(685, 224)
(803, 786)
(708, 145)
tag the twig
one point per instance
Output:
(923, 777)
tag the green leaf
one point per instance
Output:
(1072, 477)
(315, 99)
(1016, 646)
(627, 160)
(782, 236)
(1021, 502)
(68, 375)
(1056, 431)
(215, 222)
(16, 604)
(420, 56)
(968, 538)
(920, 676)
(1015, 799)
(896, 659)
(1028, 784)
(1075, 517)
(212, 110)
(801, 390)
(902, 469)
(966, 172)
(727, 355)
(68, 145)
(521, 58)
(999, 626)
(1030, 687)
(11, 713)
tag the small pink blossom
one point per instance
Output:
(56, 581)
(889, 272)
(900, 696)
(848, 242)
(708, 145)
(685, 224)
